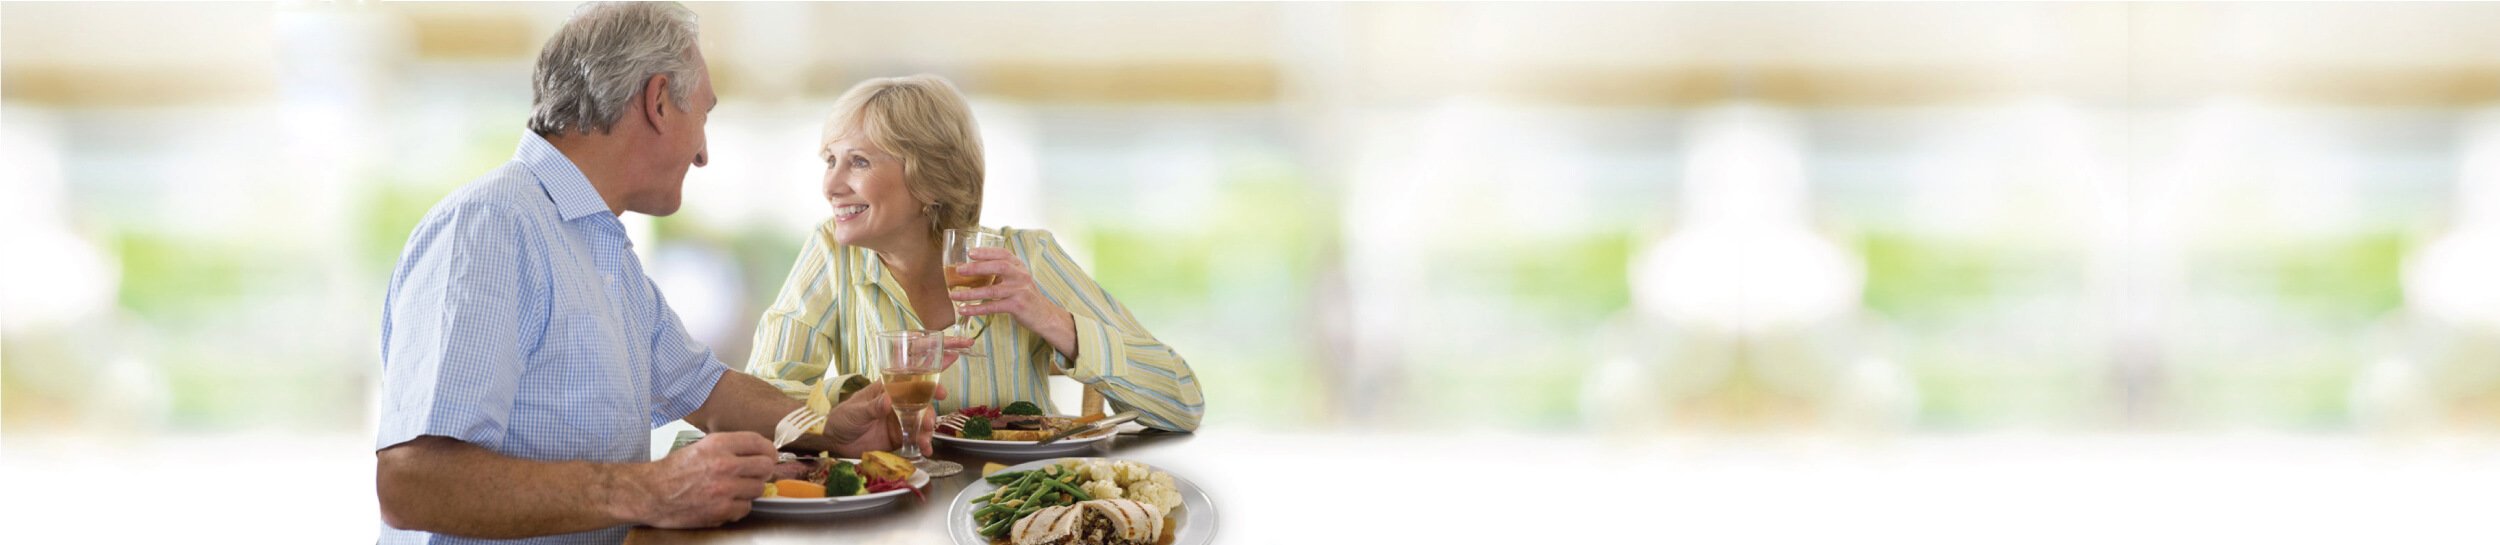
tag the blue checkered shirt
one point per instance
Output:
(520, 321)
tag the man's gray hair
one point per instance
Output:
(593, 66)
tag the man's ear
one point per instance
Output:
(655, 101)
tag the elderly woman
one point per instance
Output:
(902, 165)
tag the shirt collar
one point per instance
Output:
(564, 182)
(872, 279)
(872, 273)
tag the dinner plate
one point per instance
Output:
(1195, 519)
(811, 507)
(1072, 445)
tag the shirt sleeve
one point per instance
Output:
(796, 338)
(1114, 352)
(453, 329)
(683, 370)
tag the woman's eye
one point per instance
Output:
(859, 162)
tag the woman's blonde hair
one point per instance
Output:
(922, 121)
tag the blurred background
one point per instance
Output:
(1612, 221)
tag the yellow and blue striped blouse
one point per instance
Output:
(837, 295)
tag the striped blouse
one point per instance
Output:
(839, 294)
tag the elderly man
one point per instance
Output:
(525, 355)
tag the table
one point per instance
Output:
(910, 521)
(1491, 486)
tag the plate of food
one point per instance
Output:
(825, 486)
(1015, 431)
(1081, 501)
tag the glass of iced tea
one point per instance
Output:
(959, 245)
(908, 363)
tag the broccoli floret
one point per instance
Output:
(844, 481)
(976, 428)
(1026, 408)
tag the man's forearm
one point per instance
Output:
(741, 402)
(447, 486)
(746, 403)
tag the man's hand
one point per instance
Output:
(713, 481)
(865, 422)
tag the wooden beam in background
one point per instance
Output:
(134, 86)
(492, 36)
(1157, 82)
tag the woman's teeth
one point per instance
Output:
(845, 213)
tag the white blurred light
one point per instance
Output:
(1746, 259)
(2451, 278)
(55, 276)
(2478, 183)
(1011, 191)
(1746, 278)
(1878, 395)
(2391, 394)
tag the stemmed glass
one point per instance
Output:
(958, 251)
(908, 363)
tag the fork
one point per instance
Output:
(956, 420)
(794, 425)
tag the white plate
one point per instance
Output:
(1196, 517)
(1027, 449)
(837, 506)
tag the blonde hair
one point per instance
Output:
(923, 121)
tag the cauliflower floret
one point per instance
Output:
(1133, 472)
(1163, 497)
(1102, 490)
(1097, 470)
(1162, 478)
(1109, 479)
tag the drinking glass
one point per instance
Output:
(958, 251)
(908, 363)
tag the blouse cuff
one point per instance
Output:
(833, 390)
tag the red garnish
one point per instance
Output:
(983, 411)
(881, 485)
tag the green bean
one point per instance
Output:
(1012, 489)
(1003, 478)
(1031, 504)
(995, 528)
(1072, 490)
(1013, 494)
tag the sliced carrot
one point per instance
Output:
(794, 488)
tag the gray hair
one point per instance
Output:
(600, 58)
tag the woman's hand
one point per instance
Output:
(1016, 296)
